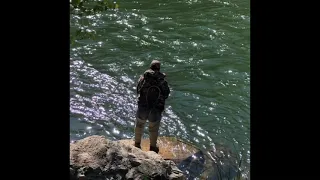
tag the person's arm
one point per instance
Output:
(166, 89)
(139, 84)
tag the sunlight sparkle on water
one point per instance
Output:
(115, 131)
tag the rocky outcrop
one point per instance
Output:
(97, 158)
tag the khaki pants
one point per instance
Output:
(154, 117)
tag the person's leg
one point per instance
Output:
(141, 117)
(154, 125)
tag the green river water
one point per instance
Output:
(204, 47)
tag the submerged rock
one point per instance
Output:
(97, 158)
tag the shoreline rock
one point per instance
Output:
(97, 158)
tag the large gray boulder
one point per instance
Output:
(97, 158)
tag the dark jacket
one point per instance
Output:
(147, 98)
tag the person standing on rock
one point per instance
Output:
(152, 90)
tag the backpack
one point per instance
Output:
(151, 90)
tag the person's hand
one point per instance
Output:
(140, 79)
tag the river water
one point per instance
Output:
(204, 47)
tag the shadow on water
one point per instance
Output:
(193, 166)
(225, 165)
(220, 163)
(200, 166)
(85, 8)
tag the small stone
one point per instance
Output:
(82, 177)
(130, 174)
(135, 162)
(130, 155)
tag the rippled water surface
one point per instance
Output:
(204, 47)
